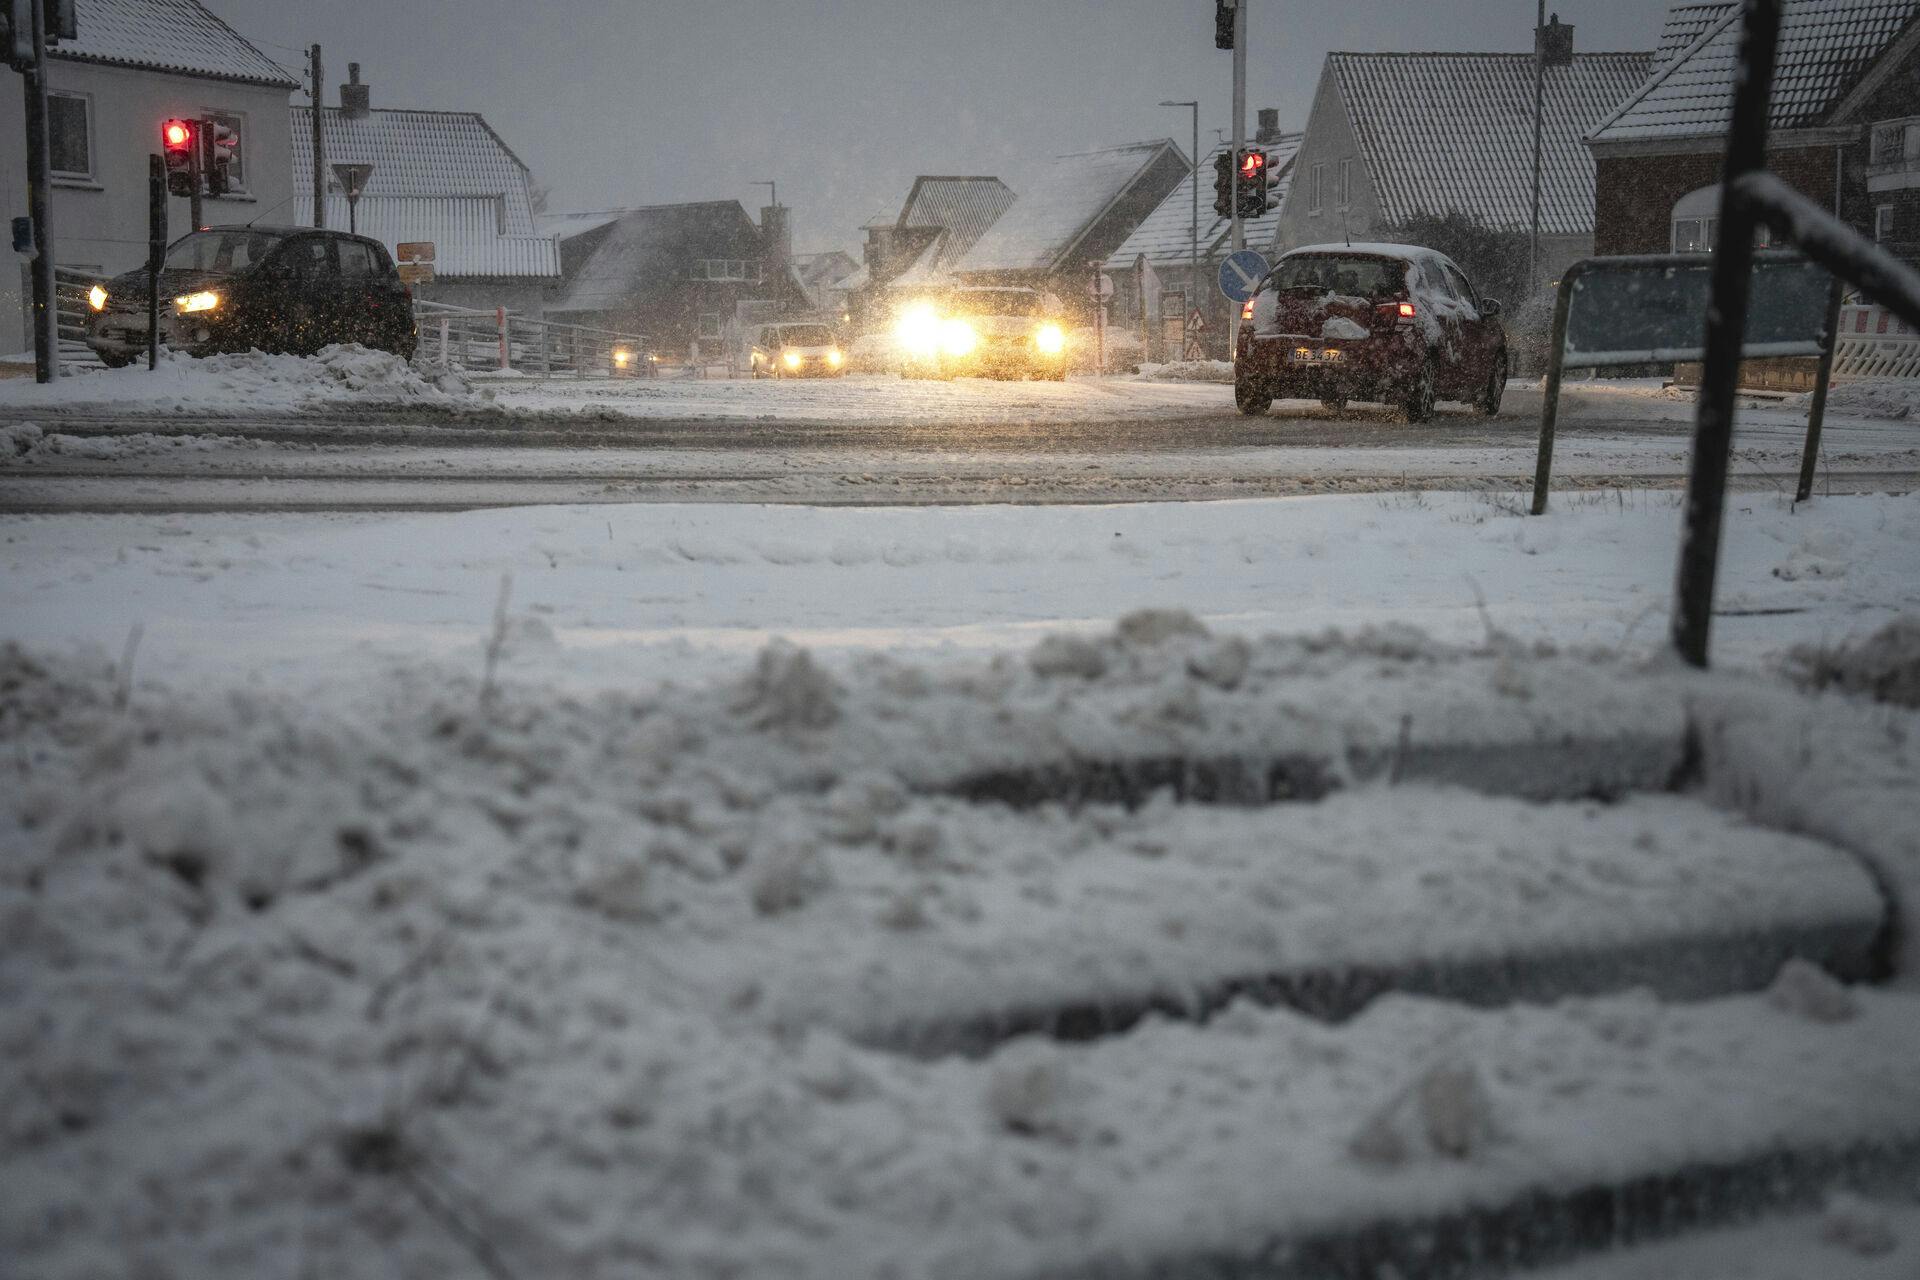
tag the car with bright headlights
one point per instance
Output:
(984, 331)
(796, 351)
(283, 289)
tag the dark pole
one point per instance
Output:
(319, 143)
(1550, 409)
(156, 251)
(1726, 331)
(1822, 383)
(194, 170)
(46, 333)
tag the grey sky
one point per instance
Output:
(616, 102)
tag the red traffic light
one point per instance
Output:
(177, 135)
(1251, 163)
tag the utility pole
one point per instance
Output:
(1539, 103)
(1192, 291)
(319, 95)
(46, 314)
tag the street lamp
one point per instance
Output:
(1193, 231)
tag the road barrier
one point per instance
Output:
(499, 340)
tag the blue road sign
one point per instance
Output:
(1241, 272)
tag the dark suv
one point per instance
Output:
(259, 288)
(1390, 322)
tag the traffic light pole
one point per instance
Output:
(46, 313)
(156, 252)
(1239, 145)
(196, 175)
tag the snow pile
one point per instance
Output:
(1891, 399)
(481, 982)
(1884, 666)
(26, 444)
(254, 381)
(1188, 371)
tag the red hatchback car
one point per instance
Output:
(1389, 322)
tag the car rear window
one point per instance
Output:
(356, 260)
(1355, 277)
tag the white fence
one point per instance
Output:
(1875, 343)
(499, 340)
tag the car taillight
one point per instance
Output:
(1246, 312)
(1396, 311)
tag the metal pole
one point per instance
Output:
(1726, 331)
(1539, 111)
(156, 251)
(1550, 410)
(46, 311)
(193, 176)
(1239, 144)
(1192, 291)
(1822, 383)
(319, 143)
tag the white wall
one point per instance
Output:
(102, 223)
(1329, 140)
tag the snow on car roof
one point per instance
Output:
(1377, 249)
(167, 35)
(1826, 46)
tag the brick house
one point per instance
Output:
(1845, 126)
(1394, 136)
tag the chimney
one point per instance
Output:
(1269, 125)
(777, 235)
(356, 99)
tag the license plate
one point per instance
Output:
(1308, 355)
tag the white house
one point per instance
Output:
(136, 64)
(439, 177)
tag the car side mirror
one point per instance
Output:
(1489, 307)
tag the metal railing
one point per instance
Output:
(500, 341)
(73, 315)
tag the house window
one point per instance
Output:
(236, 167)
(1317, 189)
(728, 269)
(1883, 223)
(709, 324)
(1346, 184)
(1695, 235)
(70, 134)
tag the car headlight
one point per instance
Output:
(957, 338)
(97, 298)
(834, 357)
(205, 300)
(793, 359)
(1050, 339)
(918, 330)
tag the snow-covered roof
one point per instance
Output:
(565, 226)
(178, 36)
(963, 208)
(1042, 227)
(645, 253)
(1164, 237)
(1825, 47)
(1685, 24)
(443, 176)
(825, 270)
(1452, 131)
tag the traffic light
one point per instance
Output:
(177, 142)
(217, 143)
(1223, 185)
(1253, 183)
(1223, 23)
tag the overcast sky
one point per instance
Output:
(623, 102)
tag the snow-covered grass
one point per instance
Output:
(252, 382)
(636, 592)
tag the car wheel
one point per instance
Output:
(1496, 389)
(1334, 404)
(1252, 399)
(1420, 395)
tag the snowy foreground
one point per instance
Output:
(361, 925)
